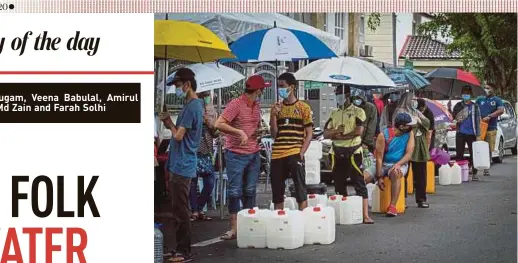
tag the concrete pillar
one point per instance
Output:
(354, 34)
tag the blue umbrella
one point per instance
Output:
(407, 77)
(279, 44)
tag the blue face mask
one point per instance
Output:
(414, 105)
(357, 102)
(466, 97)
(283, 93)
(179, 92)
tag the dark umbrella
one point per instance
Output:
(406, 78)
(449, 81)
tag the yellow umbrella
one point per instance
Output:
(188, 41)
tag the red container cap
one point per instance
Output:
(316, 209)
(311, 196)
(281, 212)
(251, 211)
(344, 198)
(333, 197)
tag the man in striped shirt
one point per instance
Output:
(291, 125)
(240, 122)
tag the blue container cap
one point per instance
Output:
(157, 225)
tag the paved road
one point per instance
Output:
(472, 222)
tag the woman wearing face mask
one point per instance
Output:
(421, 154)
(369, 126)
(391, 102)
(467, 117)
(204, 168)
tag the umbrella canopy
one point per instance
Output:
(406, 78)
(188, 41)
(209, 76)
(345, 70)
(442, 116)
(279, 44)
(449, 81)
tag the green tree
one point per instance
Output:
(487, 42)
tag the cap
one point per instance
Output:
(404, 118)
(256, 82)
(182, 74)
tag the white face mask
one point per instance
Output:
(340, 99)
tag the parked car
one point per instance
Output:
(505, 137)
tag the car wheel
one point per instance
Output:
(515, 148)
(501, 152)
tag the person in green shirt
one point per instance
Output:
(421, 154)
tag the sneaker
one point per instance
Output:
(392, 211)
(486, 172)
(423, 205)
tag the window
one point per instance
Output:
(339, 25)
(509, 110)
(362, 28)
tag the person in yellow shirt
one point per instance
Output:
(291, 125)
(345, 128)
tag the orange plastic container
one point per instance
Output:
(410, 181)
(385, 196)
(483, 130)
(430, 177)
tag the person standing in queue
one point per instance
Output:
(491, 107)
(186, 136)
(371, 114)
(345, 128)
(291, 125)
(467, 118)
(240, 121)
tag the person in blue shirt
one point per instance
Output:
(186, 137)
(491, 107)
(467, 116)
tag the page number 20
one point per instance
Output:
(4, 6)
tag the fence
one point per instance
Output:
(266, 70)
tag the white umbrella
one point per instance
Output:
(345, 70)
(209, 76)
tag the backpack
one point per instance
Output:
(389, 139)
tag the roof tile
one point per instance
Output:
(423, 47)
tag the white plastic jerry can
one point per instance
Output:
(251, 228)
(319, 225)
(315, 200)
(456, 174)
(289, 203)
(351, 210)
(445, 174)
(285, 230)
(334, 202)
(481, 155)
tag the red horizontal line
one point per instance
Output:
(76, 72)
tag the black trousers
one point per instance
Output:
(180, 187)
(460, 145)
(347, 165)
(419, 171)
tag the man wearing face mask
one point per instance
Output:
(345, 128)
(467, 117)
(371, 114)
(240, 122)
(491, 107)
(291, 125)
(186, 136)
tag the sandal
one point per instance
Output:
(368, 221)
(229, 235)
(195, 217)
(180, 258)
(204, 217)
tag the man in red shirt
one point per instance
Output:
(240, 122)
